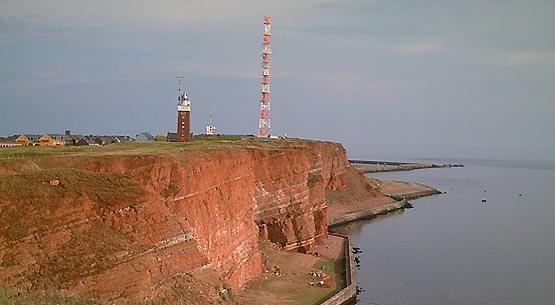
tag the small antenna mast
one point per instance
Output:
(183, 114)
(179, 81)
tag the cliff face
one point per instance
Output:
(290, 206)
(124, 226)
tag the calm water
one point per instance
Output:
(454, 249)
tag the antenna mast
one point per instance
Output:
(264, 123)
(179, 81)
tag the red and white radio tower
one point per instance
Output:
(264, 124)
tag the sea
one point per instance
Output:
(489, 239)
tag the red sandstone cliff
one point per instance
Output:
(130, 226)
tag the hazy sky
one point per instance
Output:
(367, 73)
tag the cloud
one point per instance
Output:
(357, 83)
(366, 42)
(418, 47)
(66, 77)
(526, 58)
(346, 4)
(135, 12)
(145, 72)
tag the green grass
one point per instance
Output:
(338, 269)
(10, 296)
(27, 198)
(33, 187)
(199, 143)
(220, 137)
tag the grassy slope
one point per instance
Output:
(9, 296)
(21, 195)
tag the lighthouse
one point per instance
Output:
(183, 114)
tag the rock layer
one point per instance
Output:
(122, 226)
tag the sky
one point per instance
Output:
(378, 76)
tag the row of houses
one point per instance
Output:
(67, 138)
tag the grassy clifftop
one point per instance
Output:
(199, 143)
(40, 190)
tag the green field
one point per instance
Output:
(199, 143)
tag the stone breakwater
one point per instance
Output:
(389, 166)
(124, 226)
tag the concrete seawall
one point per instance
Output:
(368, 166)
(348, 294)
(401, 204)
(400, 193)
(414, 195)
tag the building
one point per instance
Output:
(56, 139)
(52, 140)
(11, 138)
(183, 114)
(123, 139)
(44, 140)
(87, 142)
(103, 140)
(71, 139)
(171, 137)
(144, 137)
(210, 130)
(9, 142)
(28, 139)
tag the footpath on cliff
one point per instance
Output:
(190, 223)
